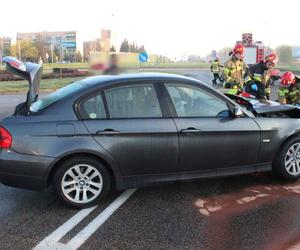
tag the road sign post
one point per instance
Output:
(143, 57)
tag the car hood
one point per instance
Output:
(32, 72)
(263, 106)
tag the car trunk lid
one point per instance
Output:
(32, 72)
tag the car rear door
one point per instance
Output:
(210, 138)
(131, 122)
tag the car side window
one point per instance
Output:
(133, 101)
(93, 108)
(190, 101)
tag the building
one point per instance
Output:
(105, 40)
(65, 42)
(5, 46)
(90, 46)
(103, 44)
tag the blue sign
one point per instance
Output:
(69, 44)
(143, 57)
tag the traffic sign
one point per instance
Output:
(143, 57)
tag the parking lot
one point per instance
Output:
(255, 211)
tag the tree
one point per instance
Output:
(41, 46)
(6, 51)
(27, 48)
(79, 56)
(112, 49)
(56, 53)
(131, 47)
(284, 53)
(141, 49)
(124, 46)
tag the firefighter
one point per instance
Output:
(215, 68)
(258, 79)
(289, 89)
(234, 70)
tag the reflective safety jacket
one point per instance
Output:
(234, 71)
(215, 67)
(289, 95)
(260, 73)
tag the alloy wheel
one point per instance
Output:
(82, 183)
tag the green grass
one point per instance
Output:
(53, 84)
(48, 66)
(46, 84)
(129, 64)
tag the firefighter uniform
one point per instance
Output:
(215, 69)
(233, 73)
(289, 95)
(289, 88)
(260, 74)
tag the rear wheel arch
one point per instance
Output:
(57, 164)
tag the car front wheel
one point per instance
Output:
(82, 182)
(287, 162)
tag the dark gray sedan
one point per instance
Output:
(134, 130)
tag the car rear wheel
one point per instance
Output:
(82, 182)
(287, 162)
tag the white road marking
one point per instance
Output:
(85, 233)
(52, 241)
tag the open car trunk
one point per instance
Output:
(32, 72)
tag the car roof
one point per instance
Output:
(96, 80)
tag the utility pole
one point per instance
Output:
(51, 47)
(1, 58)
(19, 46)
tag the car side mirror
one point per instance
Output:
(237, 112)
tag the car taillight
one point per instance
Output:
(5, 138)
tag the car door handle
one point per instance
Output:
(108, 131)
(190, 131)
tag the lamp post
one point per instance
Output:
(19, 48)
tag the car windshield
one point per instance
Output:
(55, 96)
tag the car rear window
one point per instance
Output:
(55, 96)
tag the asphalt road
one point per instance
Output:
(248, 212)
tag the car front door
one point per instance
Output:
(210, 137)
(128, 120)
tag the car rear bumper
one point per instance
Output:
(24, 171)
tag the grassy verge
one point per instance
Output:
(85, 65)
(56, 83)
(53, 84)
(46, 85)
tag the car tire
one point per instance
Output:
(82, 182)
(287, 162)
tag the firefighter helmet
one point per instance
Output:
(273, 58)
(288, 78)
(239, 49)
